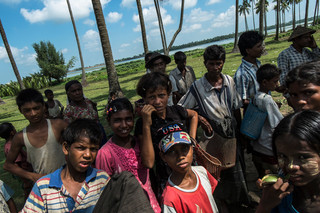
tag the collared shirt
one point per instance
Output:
(49, 194)
(179, 83)
(290, 58)
(218, 102)
(246, 80)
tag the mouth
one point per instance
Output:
(182, 165)
(125, 131)
(295, 178)
(85, 164)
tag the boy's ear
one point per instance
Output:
(65, 148)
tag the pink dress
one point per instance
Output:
(114, 159)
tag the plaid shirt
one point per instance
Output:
(246, 80)
(290, 58)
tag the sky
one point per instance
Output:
(31, 21)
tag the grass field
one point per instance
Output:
(97, 90)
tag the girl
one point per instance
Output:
(158, 120)
(122, 152)
(303, 84)
(297, 145)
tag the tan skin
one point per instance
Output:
(51, 103)
(37, 132)
(182, 68)
(12, 206)
(157, 102)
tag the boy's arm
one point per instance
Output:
(61, 106)
(59, 126)
(193, 117)
(12, 206)
(10, 166)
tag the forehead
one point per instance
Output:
(122, 114)
(159, 90)
(302, 85)
(75, 86)
(84, 141)
(159, 60)
(291, 145)
(214, 61)
(30, 105)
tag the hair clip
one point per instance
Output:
(115, 109)
(144, 89)
(109, 110)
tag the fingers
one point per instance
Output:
(148, 109)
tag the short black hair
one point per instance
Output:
(214, 52)
(48, 91)
(152, 81)
(82, 127)
(179, 56)
(5, 130)
(267, 72)
(247, 40)
(307, 73)
(29, 95)
(117, 105)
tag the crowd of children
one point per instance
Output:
(65, 155)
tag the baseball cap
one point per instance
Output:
(174, 138)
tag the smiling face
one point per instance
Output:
(32, 111)
(297, 159)
(158, 99)
(81, 154)
(304, 96)
(121, 123)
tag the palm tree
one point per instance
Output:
(13, 63)
(284, 6)
(235, 45)
(277, 7)
(252, 8)
(244, 9)
(306, 14)
(299, 2)
(293, 2)
(260, 9)
(143, 28)
(265, 18)
(114, 86)
(83, 80)
(316, 13)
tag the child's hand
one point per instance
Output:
(205, 125)
(146, 114)
(36, 176)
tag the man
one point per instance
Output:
(297, 53)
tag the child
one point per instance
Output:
(303, 84)
(262, 155)
(75, 187)
(189, 188)
(41, 138)
(157, 120)
(55, 108)
(6, 202)
(7, 131)
(122, 152)
(296, 143)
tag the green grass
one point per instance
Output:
(129, 74)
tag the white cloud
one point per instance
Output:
(124, 45)
(113, 17)
(192, 28)
(91, 41)
(213, 1)
(21, 56)
(132, 3)
(225, 19)
(12, 1)
(89, 22)
(187, 4)
(57, 10)
(64, 50)
(137, 28)
(198, 15)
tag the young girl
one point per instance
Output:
(297, 145)
(122, 152)
(158, 120)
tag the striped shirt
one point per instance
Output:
(50, 195)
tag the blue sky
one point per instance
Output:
(30, 21)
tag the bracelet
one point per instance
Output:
(208, 137)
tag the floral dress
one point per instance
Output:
(72, 113)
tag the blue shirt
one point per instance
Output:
(285, 206)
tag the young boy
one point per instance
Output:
(181, 77)
(251, 48)
(262, 155)
(6, 202)
(76, 186)
(189, 188)
(41, 139)
(55, 108)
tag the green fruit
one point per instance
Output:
(271, 178)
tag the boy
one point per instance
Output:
(263, 155)
(55, 108)
(251, 48)
(189, 188)
(76, 186)
(41, 139)
(181, 77)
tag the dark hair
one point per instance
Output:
(247, 40)
(28, 95)
(5, 130)
(117, 105)
(82, 127)
(214, 52)
(147, 57)
(179, 56)
(70, 83)
(152, 81)
(308, 72)
(48, 91)
(267, 72)
(304, 125)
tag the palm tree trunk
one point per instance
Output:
(265, 22)
(261, 16)
(306, 14)
(13, 63)
(114, 86)
(162, 33)
(277, 20)
(252, 7)
(315, 13)
(245, 21)
(294, 15)
(143, 28)
(179, 28)
(83, 80)
(235, 45)
(299, 11)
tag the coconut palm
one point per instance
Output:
(316, 13)
(235, 45)
(284, 6)
(143, 28)
(293, 3)
(252, 8)
(83, 80)
(114, 86)
(244, 10)
(306, 14)
(13, 63)
(260, 9)
(277, 9)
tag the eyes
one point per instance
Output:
(183, 149)
(83, 148)
(153, 97)
(299, 157)
(119, 120)
(306, 93)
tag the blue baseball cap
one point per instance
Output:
(174, 138)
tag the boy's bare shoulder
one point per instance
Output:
(58, 124)
(18, 138)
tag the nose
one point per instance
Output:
(302, 100)
(123, 124)
(157, 101)
(292, 166)
(87, 154)
(33, 112)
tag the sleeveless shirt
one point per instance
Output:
(47, 158)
